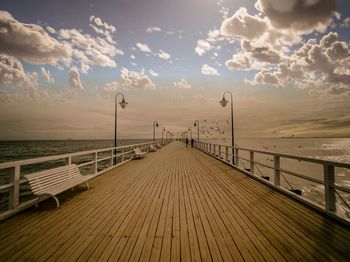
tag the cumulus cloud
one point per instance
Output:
(183, 83)
(135, 80)
(13, 74)
(111, 87)
(30, 42)
(98, 21)
(153, 29)
(241, 24)
(163, 55)
(265, 78)
(153, 73)
(47, 75)
(74, 79)
(144, 48)
(240, 62)
(202, 47)
(208, 70)
(299, 15)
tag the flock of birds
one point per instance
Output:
(214, 130)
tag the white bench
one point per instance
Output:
(151, 148)
(158, 145)
(138, 153)
(55, 181)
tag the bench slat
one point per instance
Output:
(55, 181)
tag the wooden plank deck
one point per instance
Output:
(176, 204)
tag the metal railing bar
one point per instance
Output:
(301, 176)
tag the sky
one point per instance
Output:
(286, 63)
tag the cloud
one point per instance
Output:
(74, 79)
(30, 42)
(153, 73)
(98, 21)
(182, 84)
(47, 75)
(111, 87)
(153, 29)
(202, 47)
(208, 70)
(135, 80)
(13, 74)
(91, 50)
(299, 15)
(240, 62)
(144, 48)
(264, 77)
(163, 55)
(241, 24)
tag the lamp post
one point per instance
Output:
(223, 103)
(196, 123)
(123, 104)
(155, 124)
(163, 129)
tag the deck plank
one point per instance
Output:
(176, 204)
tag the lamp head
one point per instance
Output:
(223, 102)
(195, 123)
(123, 103)
(157, 124)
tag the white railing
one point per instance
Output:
(234, 157)
(15, 195)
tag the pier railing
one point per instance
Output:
(14, 190)
(251, 162)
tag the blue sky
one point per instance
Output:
(174, 59)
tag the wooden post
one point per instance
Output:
(122, 152)
(236, 157)
(226, 153)
(14, 192)
(219, 153)
(68, 160)
(251, 154)
(277, 172)
(329, 190)
(96, 163)
(111, 161)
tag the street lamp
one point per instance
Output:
(223, 103)
(155, 124)
(123, 104)
(196, 123)
(163, 129)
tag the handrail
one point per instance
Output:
(123, 153)
(221, 152)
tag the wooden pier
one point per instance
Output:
(175, 204)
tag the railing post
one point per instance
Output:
(122, 156)
(95, 165)
(251, 154)
(68, 160)
(214, 147)
(226, 153)
(219, 153)
(209, 148)
(277, 171)
(111, 161)
(14, 192)
(236, 157)
(329, 190)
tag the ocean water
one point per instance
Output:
(334, 149)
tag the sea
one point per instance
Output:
(334, 149)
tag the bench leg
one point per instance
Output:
(54, 197)
(87, 185)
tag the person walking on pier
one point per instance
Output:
(192, 141)
(186, 141)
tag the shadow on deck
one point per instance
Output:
(177, 203)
